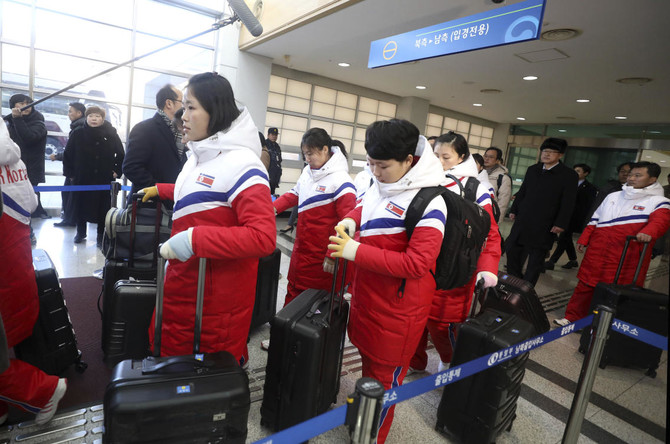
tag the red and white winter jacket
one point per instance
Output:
(223, 193)
(624, 213)
(324, 197)
(453, 305)
(386, 322)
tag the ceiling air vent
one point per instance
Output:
(556, 35)
(490, 91)
(634, 80)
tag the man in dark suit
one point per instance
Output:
(152, 153)
(586, 195)
(541, 210)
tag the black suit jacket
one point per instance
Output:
(151, 155)
(545, 199)
(586, 195)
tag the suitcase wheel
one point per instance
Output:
(602, 364)
(651, 373)
(582, 350)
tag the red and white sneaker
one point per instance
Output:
(49, 410)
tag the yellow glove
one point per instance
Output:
(149, 193)
(342, 245)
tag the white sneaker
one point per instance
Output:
(562, 322)
(265, 344)
(49, 410)
(412, 371)
(347, 297)
(442, 366)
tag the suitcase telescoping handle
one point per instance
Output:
(136, 198)
(479, 296)
(160, 284)
(334, 288)
(623, 257)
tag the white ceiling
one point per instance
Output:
(619, 38)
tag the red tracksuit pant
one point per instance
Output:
(580, 302)
(443, 335)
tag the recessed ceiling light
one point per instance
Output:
(343, 64)
(662, 161)
(520, 118)
(420, 87)
(654, 132)
(530, 78)
(620, 117)
(476, 104)
(648, 157)
(583, 100)
(562, 131)
(556, 35)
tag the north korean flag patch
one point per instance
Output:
(395, 209)
(638, 207)
(206, 180)
(320, 188)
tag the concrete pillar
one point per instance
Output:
(415, 110)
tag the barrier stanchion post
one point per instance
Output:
(601, 324)
(363, 409)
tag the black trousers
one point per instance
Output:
(517, 255)
(564, 244)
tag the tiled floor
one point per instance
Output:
(626, 406)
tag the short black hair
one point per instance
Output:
(216, 96)
(316, 138)
(653, 169)
(79, 107)
(340, 145)
(431, 138)
(584, 167)
(16, 98)
(457, 141)
(478, 158)
(623, 165)
(498, 151)
(164, 94)
(262, 137)
(391, 139)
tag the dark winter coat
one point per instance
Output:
(30, 134)
(545, 199)
(152, 156)
(586, 195)
(92, 156)
(274, 172)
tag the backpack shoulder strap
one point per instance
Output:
(471, 186)
(418, 206)
(500, 179)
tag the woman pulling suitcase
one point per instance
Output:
(222, 211)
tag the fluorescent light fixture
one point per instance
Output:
(477, 104)
(344, 64)
(530, 78)
(420, 87)
(654, 132)
(583, 100)
(562, 131)
(620, 117)
(520, 118)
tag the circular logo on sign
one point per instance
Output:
(389, 50)
(493, 359)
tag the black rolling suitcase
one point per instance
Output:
(130, 268)
(129, 316)
(267, 282)
(476, 409)
(638, 306)
(302, 377)
(516, 296)
(52, 347)
(198, 398)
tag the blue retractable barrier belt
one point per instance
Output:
(640, 334)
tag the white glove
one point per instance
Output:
(490, 279)
(179, 246)
(329, 265)
(349, 225)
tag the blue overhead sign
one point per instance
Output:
(501, 26)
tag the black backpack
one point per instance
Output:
(465, 231)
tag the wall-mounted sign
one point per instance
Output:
(500, 26)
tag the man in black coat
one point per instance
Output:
(541, 210)
(152, 153)
(274, 172)
(586, 194)
(28, 131)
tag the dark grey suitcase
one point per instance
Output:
(302, 376)
(476, 409)
(267, 282)
(198, 398)
(52, 347)
(131, 306)
(638, 306)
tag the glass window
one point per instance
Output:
(434, 120)
(368, 105)
(183, 57)
(325, 95)
(321, 124)
(278, 84)
(273, 120)
(14, 20)
(175, 23)
(387, 110)
(345, 114)
(347, 100)
(87, 39)
(323, 110)
(366, 118)
(487, 132)
(276, 100)
(295, 123)
(433, 131)
(450, 124)
(298, 89)
(147, 83)
(342, 132)
(463, 127)
(118, 12)
(291, 137)
(15, 65)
